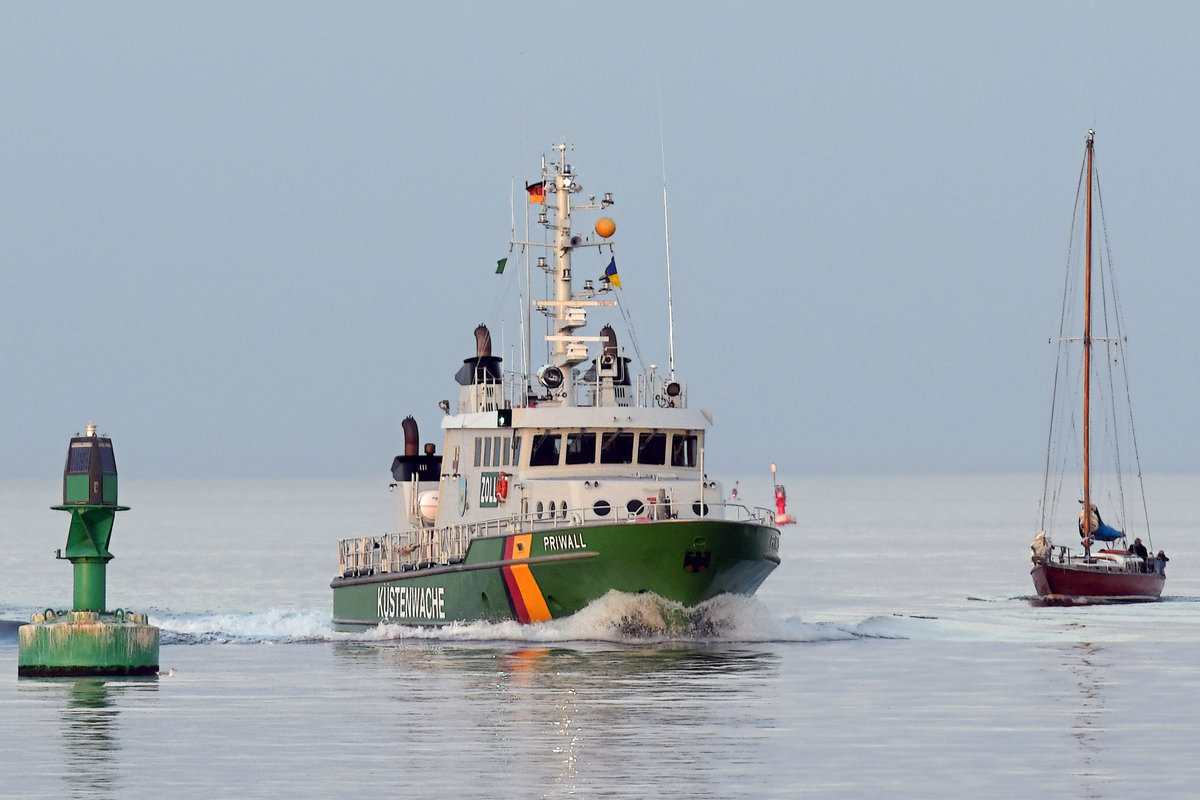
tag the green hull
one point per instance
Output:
(554, 573)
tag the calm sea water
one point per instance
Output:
(894, 654)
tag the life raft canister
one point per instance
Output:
(502, 487)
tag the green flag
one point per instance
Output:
(500, 266)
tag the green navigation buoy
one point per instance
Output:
(88, 640)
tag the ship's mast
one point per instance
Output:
(1087, 356)
(567, 309)
(564, 183)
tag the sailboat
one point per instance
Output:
(1112, 563)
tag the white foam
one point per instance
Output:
(616, 617)
(633, 619)
(272, 625)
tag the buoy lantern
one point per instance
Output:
(605, 227)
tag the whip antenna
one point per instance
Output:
(667, 239)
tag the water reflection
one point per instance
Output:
(1088, 664)
(89, 709)
(519, 671)
(561, 715)
(521, 660)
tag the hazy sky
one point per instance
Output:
(247, 239)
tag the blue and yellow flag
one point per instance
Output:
(610, 273)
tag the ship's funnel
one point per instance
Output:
(413, 463)
(484, 367)
(412, 437)
(483, 341)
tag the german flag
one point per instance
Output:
(537, 191)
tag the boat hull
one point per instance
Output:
(534, 577)
(1080, 581)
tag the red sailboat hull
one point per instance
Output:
(1081, 580)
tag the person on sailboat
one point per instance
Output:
(1160, 562)
(1098, 528)
(1041, 548)
(1138, 549)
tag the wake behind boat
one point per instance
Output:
(544, 498)
(1120, 569)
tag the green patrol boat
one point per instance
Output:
(556, 487)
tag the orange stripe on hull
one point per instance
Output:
(527, 599)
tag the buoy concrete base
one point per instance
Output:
(74, 643)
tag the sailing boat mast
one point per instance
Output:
(1087, 356)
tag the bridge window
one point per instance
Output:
(545, 449)
(685, 452)
(616, 448)
(581, 448)
(652, 448)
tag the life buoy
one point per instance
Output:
(502, 487)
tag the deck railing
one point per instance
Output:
(429, 547)
(1060, 555)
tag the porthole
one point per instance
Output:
(601, 508)
(700, 509)
(551, 509)
(562, 510)
(539, 509)
(636, 507)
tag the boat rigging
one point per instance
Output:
(1123, 568)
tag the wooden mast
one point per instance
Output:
(1087, 359)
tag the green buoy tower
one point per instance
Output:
(88, 640)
